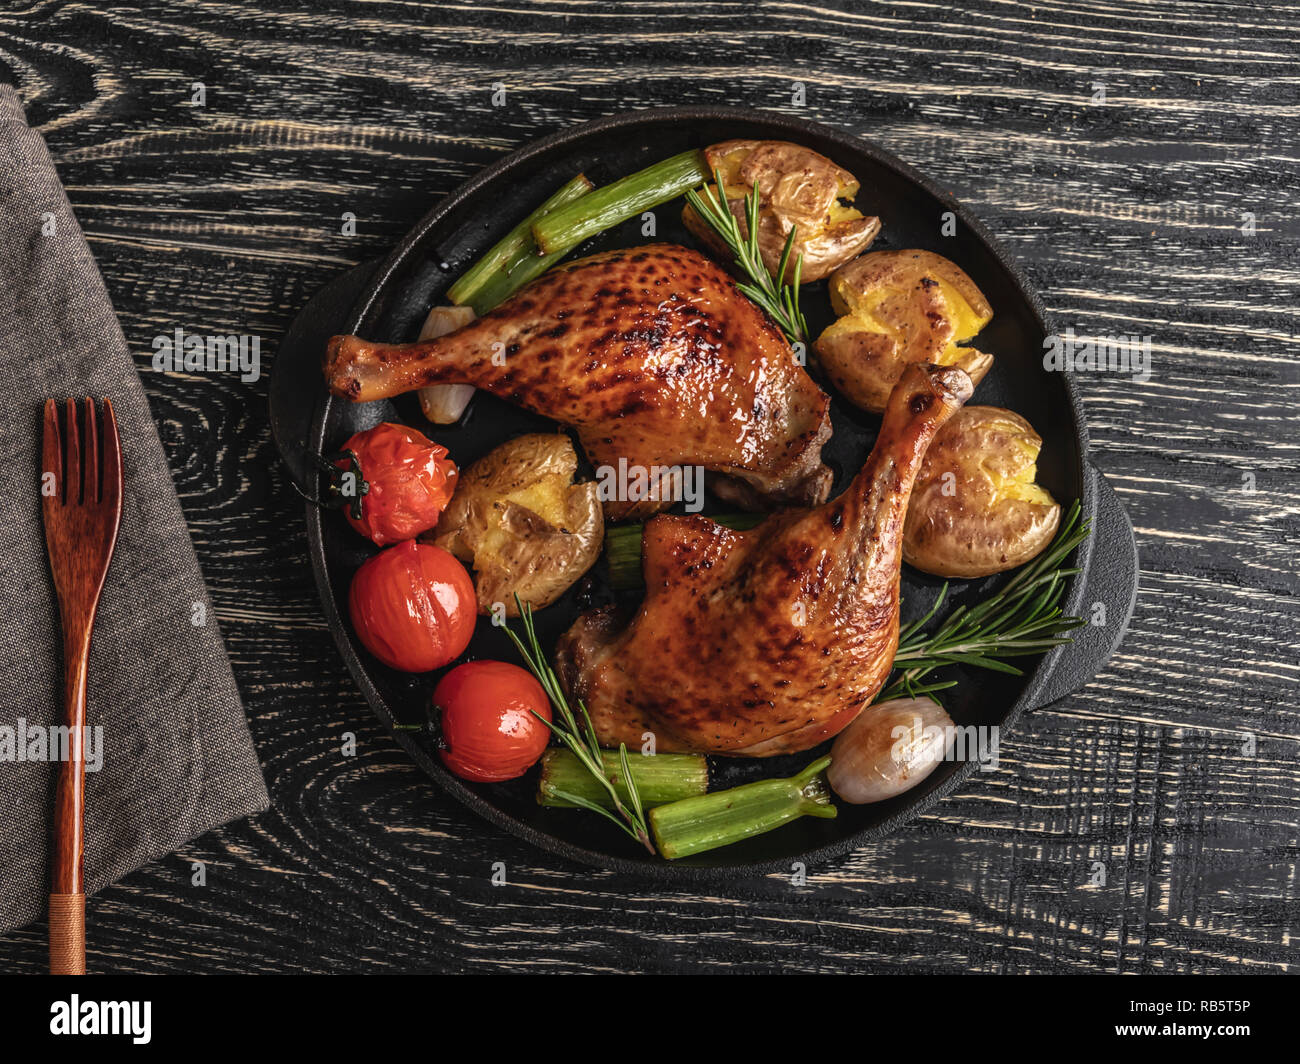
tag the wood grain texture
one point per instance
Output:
(1128, 215)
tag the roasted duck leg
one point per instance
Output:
(652, 355)
(768, 641)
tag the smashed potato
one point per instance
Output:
(798, 189)
(521, 522)
(976, 508)
(899, 307)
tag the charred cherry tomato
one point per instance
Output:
(487, 720)
(413, 606)
(411, 481)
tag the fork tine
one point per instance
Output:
(111, 476)
(72, 456)
(52, 453)
(92, 472)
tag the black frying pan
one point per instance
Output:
(389, 300)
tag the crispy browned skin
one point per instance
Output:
(651, 354)
(768, 641)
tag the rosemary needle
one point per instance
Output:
(1022, 618)
(779, 299)
(575, 731)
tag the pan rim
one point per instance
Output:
(396, 261)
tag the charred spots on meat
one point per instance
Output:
(653, 335)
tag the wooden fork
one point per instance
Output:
(81, 502)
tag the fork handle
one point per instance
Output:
(67, 896)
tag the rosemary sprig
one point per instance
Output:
(1022, 618)
(780, 300)
(575, 731)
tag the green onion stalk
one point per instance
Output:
(658, 779)
(513, 260)
(694, 825)
(568, 226)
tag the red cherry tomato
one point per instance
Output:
(413, 606)
(411, 481)
(490, 733)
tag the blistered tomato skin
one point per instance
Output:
(486, 717)
(413, 606)
(410, 480)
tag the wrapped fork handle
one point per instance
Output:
(67, 934)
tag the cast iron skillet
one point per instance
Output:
(389, 302)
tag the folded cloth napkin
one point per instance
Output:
(177, 758)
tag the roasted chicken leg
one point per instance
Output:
(768, 641)
(652, 355)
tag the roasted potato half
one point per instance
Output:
(976, 508)
(899, 307)
(521, 522)
(797, 189)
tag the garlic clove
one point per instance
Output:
(443, 404)
(888, 749)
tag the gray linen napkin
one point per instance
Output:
(177, 756)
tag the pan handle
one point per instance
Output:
(1110, 591)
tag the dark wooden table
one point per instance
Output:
(1167, 209)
